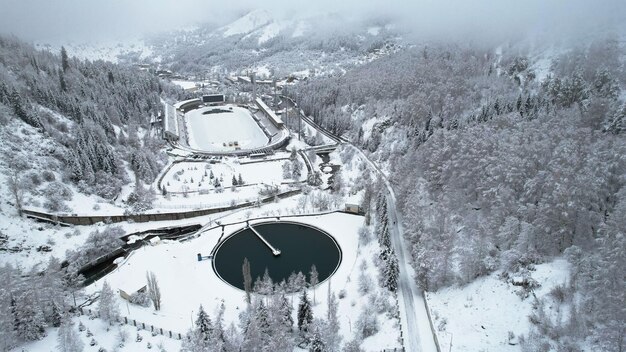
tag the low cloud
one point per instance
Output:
(50, 20)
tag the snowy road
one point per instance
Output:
(416, 330)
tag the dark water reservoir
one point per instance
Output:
(300, 245)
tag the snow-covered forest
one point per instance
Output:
(94, 117)
(444, 169)
(499, 171)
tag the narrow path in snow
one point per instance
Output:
(416, 329)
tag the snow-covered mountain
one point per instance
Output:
(250, 22)
(321, 43)
(324, 43)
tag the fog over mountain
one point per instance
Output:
(488, 19)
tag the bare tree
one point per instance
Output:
(154, 292)
(314, 280)
(247, 279)
(15, 185)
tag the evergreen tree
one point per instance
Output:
(201, 337)
(317, 344)
(65, 64)
(19, 109)
(62, 82)
(391, 272)
(315, 179)
(204, 327)
(305, 313)
(284, 311)
(240, 180)
(68, 339)
(219, 335)
(28, 320)
(55, 317)
(234, 181)
(287, 172)
(296, 169)
(265, 285)
(263, 321)
(107, 307)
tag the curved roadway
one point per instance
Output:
(417, 332)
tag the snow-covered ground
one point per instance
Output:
(194, 176)
(107, 337)
(186, 84)
(479, 316)
(187, 283)
(220, 131)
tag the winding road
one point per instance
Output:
(417, 332)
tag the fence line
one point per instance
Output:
(140, 325)
(432, 325)
(90, 220)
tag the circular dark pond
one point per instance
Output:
(301, 246)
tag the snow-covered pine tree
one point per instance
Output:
(296, 169)
(262, 317)
(391, 272)
(252, 336)
(381, 206)
(55, 316)
(68, 339)
(65, 63)
(283, 310)
(305, 313)
(28, 319)
(265, 286)
(219, 335)
(317, 344)
(107, 307)
(300, 281)
(204, 326)
(201, 336)
(287, 173)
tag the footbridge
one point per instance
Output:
(275, 251)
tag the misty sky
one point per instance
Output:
(60, 20)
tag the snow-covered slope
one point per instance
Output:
(488, 314)
(114, 51)
(247, 23)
